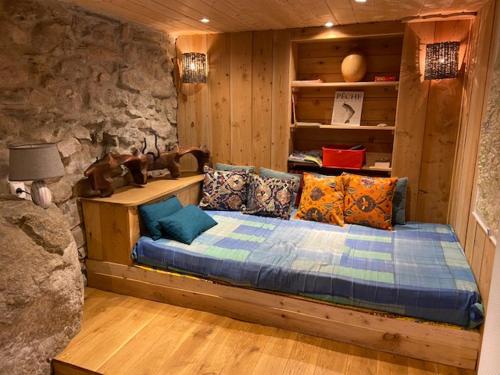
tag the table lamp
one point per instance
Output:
(36, 162)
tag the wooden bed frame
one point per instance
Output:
(112, 270)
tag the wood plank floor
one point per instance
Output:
(127, 335)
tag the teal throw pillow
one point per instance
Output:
(399, 201)
(186, 224)
(152, 213)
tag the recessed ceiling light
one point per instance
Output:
(360, 1)
(329, 24)
(205, 20)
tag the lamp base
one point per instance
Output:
(40, 194)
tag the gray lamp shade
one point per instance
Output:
(34, 162)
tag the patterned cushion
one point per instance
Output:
(224, 190)
(266, 172)
(368, 200)
(268, 196)
(322, 200)
(231, 167)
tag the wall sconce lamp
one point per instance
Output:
(441, 60)
(194, 67)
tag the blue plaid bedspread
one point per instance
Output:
(417, 270)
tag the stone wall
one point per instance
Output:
(489, 152)
(41, 288)
(90, 83)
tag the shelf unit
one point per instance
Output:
(321, 60)
(345, 84)
(344, 127)
(311, 166)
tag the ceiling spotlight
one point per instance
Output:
(204, 20)
(329, 24)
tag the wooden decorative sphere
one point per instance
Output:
(354, 67)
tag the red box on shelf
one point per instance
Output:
(339, 156)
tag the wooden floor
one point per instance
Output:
(126, 335)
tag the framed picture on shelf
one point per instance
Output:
(347, 108)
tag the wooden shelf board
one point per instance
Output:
(345, 84)
(154, 189)
(344, 127)
(364, 168)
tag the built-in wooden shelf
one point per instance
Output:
(345, 84)
(316, 167)
(343, 127)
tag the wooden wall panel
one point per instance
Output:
(193, 115)
(219, 64)
(473, 103)
(412, 111)
(262, 94)
(241, 98)
(243, 113)
(480, 251)
(441, 128)
(280, 129)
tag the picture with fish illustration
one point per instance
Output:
(347, 108)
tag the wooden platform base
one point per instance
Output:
(433, 342)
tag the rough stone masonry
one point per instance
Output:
(41, 287)
(90, 83)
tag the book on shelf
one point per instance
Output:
(309, 157)
(385, 78)
(311, 124)
(347, 108)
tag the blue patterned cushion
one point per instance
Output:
(268, 196)
(224, 190)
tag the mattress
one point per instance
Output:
(417, 270)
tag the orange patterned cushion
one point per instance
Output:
(368, 200)
(322, 200)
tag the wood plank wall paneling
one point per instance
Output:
(441, 128)
(280, 134)
(411, 112)
(242, 113)
(219, 63)
(480, 252)
(262, 93)
(472, 110)
(241, 98)
(478, 244)
(193, 103)
(427, 122)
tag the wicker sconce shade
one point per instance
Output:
(194, 67)
(441, 60)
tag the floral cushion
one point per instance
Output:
(224, 190)
(368, 200)
(322, 200)
(269, 196)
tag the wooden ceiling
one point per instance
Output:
(183, 16)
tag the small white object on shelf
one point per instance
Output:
(306, 81)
